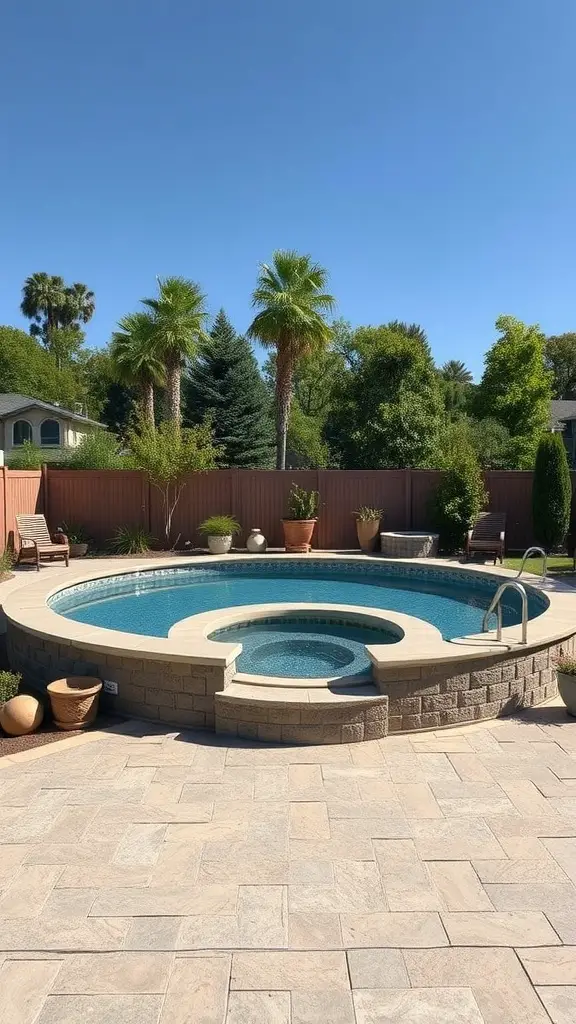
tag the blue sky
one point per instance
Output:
(423, 151)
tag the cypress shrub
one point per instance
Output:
(459, 497)
(551, 493)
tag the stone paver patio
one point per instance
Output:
(151, 877)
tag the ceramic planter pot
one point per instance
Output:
(78, 550)
(256, 542)
(567, 688)
(219, 545)
(298, 534)
(74, 701)
(367, 530)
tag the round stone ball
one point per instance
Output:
(21, 715)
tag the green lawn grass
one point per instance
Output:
(558, 565)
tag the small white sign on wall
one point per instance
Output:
(110, 686)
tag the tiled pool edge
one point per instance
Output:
(167, 684)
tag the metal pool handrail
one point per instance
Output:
(526, 555)
(496, 605)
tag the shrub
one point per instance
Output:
(219, 526)
(7, 559)
(459, 498)
(100, 450)
(566, 663)
(76, 534)
(302, 504)
(130, 540)
(551, 493)
(29, 456)
(9, 683)
(365, 514)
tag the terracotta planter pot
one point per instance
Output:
(298, 534)
(78, 550)
(567, 688)
(74, 701)
(367, 530)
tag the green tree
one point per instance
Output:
(98, 450)
(26, 368)
(460, 495)
(136, 361)
(292, 306)
(168, 455)
(455, 370)
(224, 385)
(57, 311)
(551, 492)
(387, 413)
(177, 316)
(28, 456)
(560, 359)
(488, 438)
(516, 388)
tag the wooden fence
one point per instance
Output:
(101, 500)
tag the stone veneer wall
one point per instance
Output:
(432, 697)
(350, 721)
(173, 692)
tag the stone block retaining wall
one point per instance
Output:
(320, 722)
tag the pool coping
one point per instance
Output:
(27, 608)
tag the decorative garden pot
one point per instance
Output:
(74, 701)
(298, 534)
(256, 542)
(219, 545)
(78, 550)
(367, 530)
(567, 688)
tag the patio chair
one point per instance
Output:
(488, 534)
(36, 542)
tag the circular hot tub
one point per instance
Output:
(299, 647)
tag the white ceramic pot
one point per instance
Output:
(567, 688)
(256, 543)
(220, 545)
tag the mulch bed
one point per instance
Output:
(48, 733)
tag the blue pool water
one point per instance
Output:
(151, 602)
(286, 647)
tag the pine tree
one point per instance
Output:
(225, 384)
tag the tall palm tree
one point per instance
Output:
(79, 305)
(135, 360)
(293, 304)
(43, 297)
(178, 316)
(455, 370)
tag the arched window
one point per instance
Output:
(50, 433)
(21, 431)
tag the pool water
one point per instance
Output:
(151, 602)
(295, 648)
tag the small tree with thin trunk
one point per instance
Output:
(135, 360)
(551, 493)
(168, 455)
(293, 304)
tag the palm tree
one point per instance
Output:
(292, 302)
(178, 316)
(43, 297)
(455, 370)
(135, 360)
(79, 305)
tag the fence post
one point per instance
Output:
(44, 491)
(5, 503)
(408, 499)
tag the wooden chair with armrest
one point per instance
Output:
(36, 543)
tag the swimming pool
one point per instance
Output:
(151, 602)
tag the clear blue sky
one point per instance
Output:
(422, 150)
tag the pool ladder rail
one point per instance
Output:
(496, 606)
(526, 556)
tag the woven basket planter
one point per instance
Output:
(74, 701)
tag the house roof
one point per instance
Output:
(560, 411)
(11, 403)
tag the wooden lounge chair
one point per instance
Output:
(488, 534)
(36, 542)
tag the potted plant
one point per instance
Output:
(367, 526)
(219, 531)
(566, 673)
(301, 519)
(78, 539)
